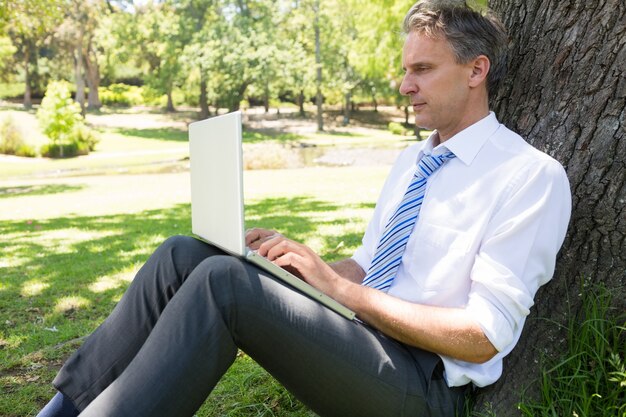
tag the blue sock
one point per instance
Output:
(59, 406)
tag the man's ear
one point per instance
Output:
(480, 68)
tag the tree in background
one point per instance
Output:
(7, 51)
(299, 72)
(29, 25)
(566, 93)
(157, 40)
(196, 15)
(76, 36)
(378, 53)
(59, 115)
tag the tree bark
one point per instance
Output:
(266, 97)
(28, 102)
(93, 77)
(169, 107)
(204, 101)
(566, 94)
(347, 108)
(301, 103)
(318, 65)
(78, 74)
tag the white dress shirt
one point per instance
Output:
(490, 227)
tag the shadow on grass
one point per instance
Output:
(257, 136)
(341, 133)
(178, 135)
(163, 133)
(42, 189)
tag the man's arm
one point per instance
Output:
(349, 269)
(446, 331)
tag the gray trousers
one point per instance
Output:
(177, 329)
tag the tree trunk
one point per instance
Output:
(93, 78)
(417, 132)
(78, 72)
(301, 103)
(28, 101)
(170, 101)
(346, 108)
(204, 100)
(566, 94)
(318, 65)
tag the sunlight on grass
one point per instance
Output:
(107, 282)
(7, 262)
(64, 240)
(12, 341)
(66, 304)
(33, 288)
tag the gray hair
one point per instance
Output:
(469, 32)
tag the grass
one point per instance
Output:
(589, 380)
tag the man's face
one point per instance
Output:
(437, 86)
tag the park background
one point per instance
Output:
(112, 86)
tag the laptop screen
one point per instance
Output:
(215, 155)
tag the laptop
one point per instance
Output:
(217, 209)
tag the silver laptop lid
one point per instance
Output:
(215, 157)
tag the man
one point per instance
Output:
(465, 231)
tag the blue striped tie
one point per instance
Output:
(391, 246)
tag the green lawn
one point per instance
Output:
(71, 243)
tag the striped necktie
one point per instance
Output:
(393, 241)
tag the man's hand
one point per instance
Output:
(300, 260)
(255, 237)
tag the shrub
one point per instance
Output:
(84, 136)
(26, 151)
(153, 97)
(396, 128)
(121, 95)
(11, 141)
(54, 150)
(62, 122)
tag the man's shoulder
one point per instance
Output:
(509, 145)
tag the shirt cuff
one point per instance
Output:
(491, 319)
(362, 258)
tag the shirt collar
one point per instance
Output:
(465, 144)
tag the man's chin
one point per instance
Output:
(423, 124)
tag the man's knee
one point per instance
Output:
(172, 262)
(184, 253)
(222, 267)
(181, 244)
(226, 276)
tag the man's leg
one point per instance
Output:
(107, 351)
(337, 367)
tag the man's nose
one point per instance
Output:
(407, 86)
